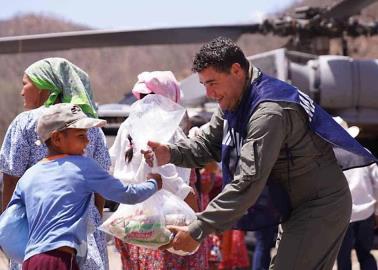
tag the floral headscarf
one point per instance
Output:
(62, 78)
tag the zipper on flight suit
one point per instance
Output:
(290, 161)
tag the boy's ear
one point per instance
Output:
(56, 138)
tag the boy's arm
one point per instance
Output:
(100, 181)
(115, 190)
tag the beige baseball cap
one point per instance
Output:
(64, 115)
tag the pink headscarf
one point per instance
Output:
(159, 82)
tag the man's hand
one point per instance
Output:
(160, 151)
(182, 240)
(157, 178)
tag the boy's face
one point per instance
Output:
(71, 141)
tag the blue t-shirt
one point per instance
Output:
(56, 195)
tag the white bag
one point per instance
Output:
(144, 224)
(14, 232)
(154, 118)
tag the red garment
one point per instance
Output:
(234, 250)
(217, 188)
(51, 260)
(137, 258)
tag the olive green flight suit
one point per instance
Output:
(317, 188)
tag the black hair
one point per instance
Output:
(142, 95)
(198, 183)
(130, 152)
(220, 53)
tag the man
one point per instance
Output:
(266, 135)
(363, 184)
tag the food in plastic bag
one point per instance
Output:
(144, 224)
(14, 232)
(152, 118)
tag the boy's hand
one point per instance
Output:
(157, 178)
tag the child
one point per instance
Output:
(56, 191)
(127, 164)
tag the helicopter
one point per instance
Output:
(342, 85)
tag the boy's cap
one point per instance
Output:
(64, 115)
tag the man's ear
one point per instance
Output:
(236, 70)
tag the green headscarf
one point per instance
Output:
(62, 78)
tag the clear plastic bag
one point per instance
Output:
(155, 118)
(175, 178)
(14, 232)
(144, 224)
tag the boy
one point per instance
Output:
(57, 190)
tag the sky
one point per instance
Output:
(124, 14)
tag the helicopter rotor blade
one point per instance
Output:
(346, 8)
(111, 38)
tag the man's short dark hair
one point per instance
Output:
(220, 54)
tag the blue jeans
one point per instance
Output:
(264, 242)
(360, 236)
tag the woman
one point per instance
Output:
(46, 82)
(125, 163)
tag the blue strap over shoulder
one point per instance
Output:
(264, 88)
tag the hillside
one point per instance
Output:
(113, 71)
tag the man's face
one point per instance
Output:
(73, 141)
(225, 88)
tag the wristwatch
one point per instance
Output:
(195, 231)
